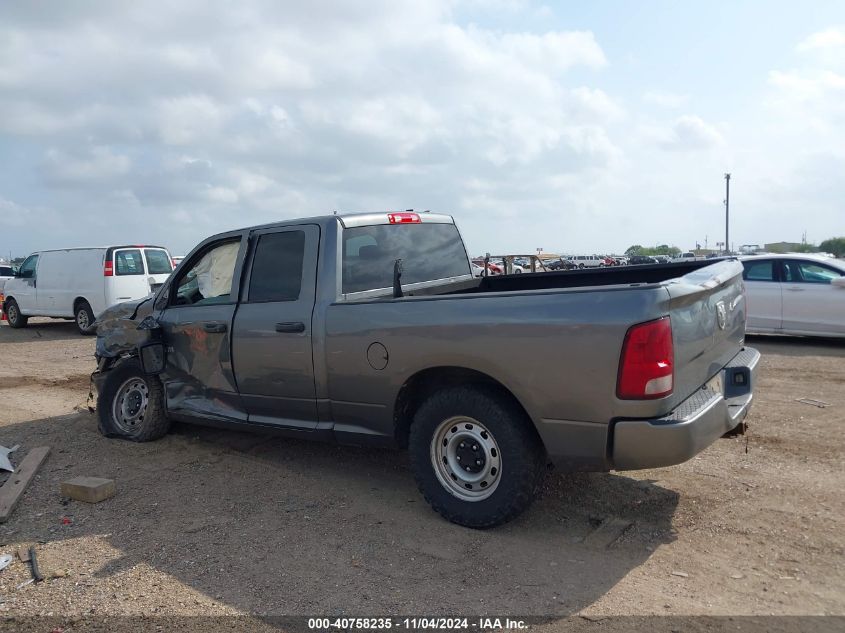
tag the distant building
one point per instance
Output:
(783, 247)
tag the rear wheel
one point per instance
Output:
(13, 314)
(476, 457)
(131, 404)
(84, 316)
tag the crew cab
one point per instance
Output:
(371, 329)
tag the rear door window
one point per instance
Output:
(429, 251)
(158, 261)
(128, 262)
(277, 267)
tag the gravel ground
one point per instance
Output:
(209, 522)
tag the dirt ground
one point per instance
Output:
(212, 522)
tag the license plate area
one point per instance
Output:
(716, 383)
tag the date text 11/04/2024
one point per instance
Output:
(418, 623)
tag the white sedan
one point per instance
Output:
(795, 294)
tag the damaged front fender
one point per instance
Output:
(123, 328)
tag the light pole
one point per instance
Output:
(727, 211)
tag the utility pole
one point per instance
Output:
(727, 210)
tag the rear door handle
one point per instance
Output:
(215, 327)
(293, 327)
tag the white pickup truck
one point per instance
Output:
(689, 256)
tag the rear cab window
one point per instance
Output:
(429, 251)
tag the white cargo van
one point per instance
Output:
(80, 283)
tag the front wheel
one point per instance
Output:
(475, 456)
(131, 404)
(14, 316)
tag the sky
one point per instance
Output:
(576, 127)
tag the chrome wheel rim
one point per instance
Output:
(130, 405)
(466, 458)
(82, 319)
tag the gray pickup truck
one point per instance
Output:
(371, 329)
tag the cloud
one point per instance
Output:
(91, 165)
(832, 38)
(664, 99)
(13, 214)
(182, 119)
(815, 88)
(690, 133)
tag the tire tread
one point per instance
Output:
(516, 432)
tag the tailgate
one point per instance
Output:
(708, 310)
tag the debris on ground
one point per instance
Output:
(821, 404)
(37, 576)
(5, 462)
(13, 489)
(88, 489)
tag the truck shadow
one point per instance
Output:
(797, 345)
(274, 526)
(40, 329)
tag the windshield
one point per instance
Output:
(428, 252)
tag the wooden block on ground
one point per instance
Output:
(18, 481)
(88, 489)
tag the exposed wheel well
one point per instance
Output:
(423, 383)
(76, 303)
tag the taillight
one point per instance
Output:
(173, 264)
(403, 218)
(646, 369)
(108, 269)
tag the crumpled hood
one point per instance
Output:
(117, 327)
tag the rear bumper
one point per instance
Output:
(699, 421)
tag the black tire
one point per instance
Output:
(522, 455)
(581, 266)
(83, 314)
(152, 425)
(13, 314)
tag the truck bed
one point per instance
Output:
(623, 275)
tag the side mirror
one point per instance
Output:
(153, 358)
(839, 282)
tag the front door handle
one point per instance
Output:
(215, 327)
(795, 289)
(292, 328)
